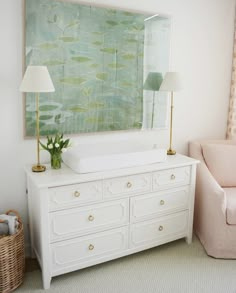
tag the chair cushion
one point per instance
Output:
(221, 161)
(231, 205)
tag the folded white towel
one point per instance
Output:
(4, 230)
(11, 221)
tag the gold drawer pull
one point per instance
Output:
(172, 177)
(91, 247)
(129, 184)
(162, 202)
(161, 228)
(91, 218)
(76, 193)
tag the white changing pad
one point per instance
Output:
(91, 158)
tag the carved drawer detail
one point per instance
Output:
(127, 185)
(171, 178)
(157, 204)
(75, 251)
(84, 220)
(159, 230)
(75, 194)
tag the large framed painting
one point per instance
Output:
(98, 59)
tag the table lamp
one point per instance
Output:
(171, 83)
(37, 80)
(152, 83)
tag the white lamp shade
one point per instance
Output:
(171, 82)
(37, 80)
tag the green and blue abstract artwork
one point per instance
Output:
(95, 59)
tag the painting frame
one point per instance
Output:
(88, 4)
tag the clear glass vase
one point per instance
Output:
(56, 161)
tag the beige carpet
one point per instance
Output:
(171, 268)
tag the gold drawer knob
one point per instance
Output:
(162, 202)
(172, 177)
(91, 247)
(91, 218)
(76, 193)
(161, 228)
(129, 184)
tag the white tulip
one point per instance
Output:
(50, 146)
(57, 145)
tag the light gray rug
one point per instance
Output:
(171, 268)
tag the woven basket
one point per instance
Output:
(12, 258)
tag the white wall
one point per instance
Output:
(202, 42)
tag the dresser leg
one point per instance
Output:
(188, 239)
(46, 281)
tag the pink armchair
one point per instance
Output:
(215, 201)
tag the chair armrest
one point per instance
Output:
(209, 190)
(210, 206)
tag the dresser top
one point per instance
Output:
(64, 176)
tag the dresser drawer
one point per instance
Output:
(159, 230)
(88, 248)
(171, 178)
(78, 221)
(127, 185)
(159, 203)
(76, 194)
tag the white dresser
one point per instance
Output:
(79, 220)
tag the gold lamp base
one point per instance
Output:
(171, 152)
(38, 168)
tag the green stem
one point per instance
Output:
(56, 161)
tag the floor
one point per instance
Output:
(173, 267)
